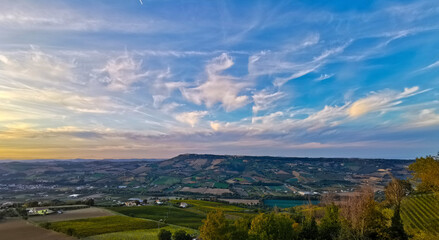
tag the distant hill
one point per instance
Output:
(202, 175)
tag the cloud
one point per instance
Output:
(380, 101)
(191, 118)
(424, 118)
(215, 126)
(218, 88)
(264, 100)
(281, 81)
(120, 73)
(433, 65)
(324, 77)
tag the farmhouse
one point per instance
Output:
(38, 211)
(183, 205)
(136, 199)
(131, 203)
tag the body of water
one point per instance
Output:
(287, 203)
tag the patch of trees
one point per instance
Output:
(358, 217)
(178, 235)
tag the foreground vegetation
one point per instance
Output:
(144, 234)
(99, 225)
(421, 212)
(168, 214)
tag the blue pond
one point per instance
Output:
(287, 203)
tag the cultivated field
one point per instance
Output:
(241, 201)
(100, 225)
(169, 214)
(148, 234)
(20, 229)
(421, 212)
(207, 206)
(73, 215)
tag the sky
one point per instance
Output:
(157, 78)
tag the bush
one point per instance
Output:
(181, 235)
(164, 234)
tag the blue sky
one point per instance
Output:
(152, 79)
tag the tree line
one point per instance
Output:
(358, 217)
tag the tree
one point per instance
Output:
(215, 227)
(89, 202)
(164, 234)
(396, 230)
(181, 235)
(426, 169)
(330, 225)
(374, 222)
(309, 231)
(272, 226)
(396, 190)
(240, 228)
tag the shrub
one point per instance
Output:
(181, 235)
(164, 234)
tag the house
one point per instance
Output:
(158, 202)
(39, 211)
(74, 196)
(136, 199)
(183, 205)
(131, 203)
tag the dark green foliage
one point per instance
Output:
(375, 223)
(89, 202)
(164, 234)
(215, 227)
(426, 169)
(181, 235)
(396, 230)
(272, 226)
(309, 231)
(330, 225)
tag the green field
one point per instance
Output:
(166, 180)
(147, 234)
(221, 185)
(421, 212)
(207, 206)
(169, 214)
(100, 225)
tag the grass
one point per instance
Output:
(148, 234)
(100, 225)
(166, 180)
(170, 214)
(421, 213)
(221, 185)
(208, 206)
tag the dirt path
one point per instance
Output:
(20, 229)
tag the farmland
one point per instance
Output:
(148, 234)
(420, 212)
(207, 206)
(73, 215)
(19, 229)
(169, 214)
(100, 225)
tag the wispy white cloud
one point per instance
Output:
(380, 101)
(324, 77)
(424, 118)
(433, 65)
(264, 100)
(120, 73)
(218, 88)
(191, 118)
